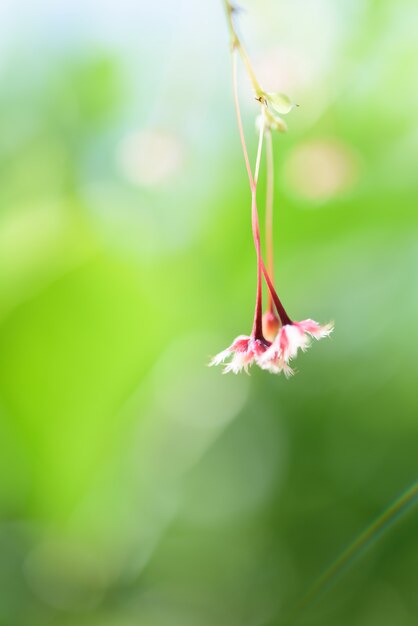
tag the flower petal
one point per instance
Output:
(314, 329)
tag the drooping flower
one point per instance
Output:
(275, 339)
(290, 338)
(244, 351)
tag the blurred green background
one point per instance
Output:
(137, 486)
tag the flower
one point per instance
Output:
(289, 339)
(244, 351)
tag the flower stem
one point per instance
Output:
(269, 272)
(258, 314)
(239, 118)
(237, 45)
(257, 327)
(269, 213)
(284, 318)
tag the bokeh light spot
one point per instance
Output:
(321, 169)
(150, 157)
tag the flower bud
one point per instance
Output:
(280, 102)
(271, 325)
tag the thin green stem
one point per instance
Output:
(366, 539)
(229, 10)
(236, 44)
(239, 118)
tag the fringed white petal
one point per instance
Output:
(240, 361)
(316, 330)
(221, 357)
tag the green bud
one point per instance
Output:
(280, 102)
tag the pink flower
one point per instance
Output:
(289, 339)
(244, 352)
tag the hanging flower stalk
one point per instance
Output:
(275, 339)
